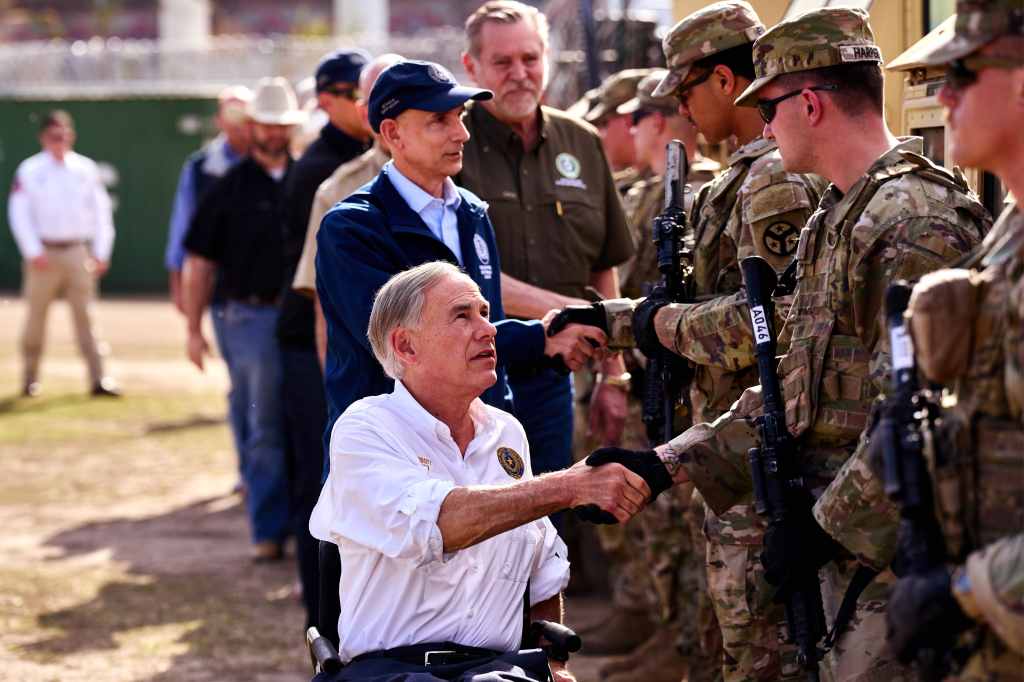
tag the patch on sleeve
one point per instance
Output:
(781, 238)
(511, 462)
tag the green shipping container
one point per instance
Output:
(140, 143)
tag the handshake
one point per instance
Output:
(623, 322)
(613, 484)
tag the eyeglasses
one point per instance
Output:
(347, 93)
(767, 107)
(962, 73)
(684, 89)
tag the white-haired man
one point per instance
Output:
(440, 523)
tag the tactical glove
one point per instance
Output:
(643, 321)
(644, 463)
(924, 615)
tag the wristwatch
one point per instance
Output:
(620, 381)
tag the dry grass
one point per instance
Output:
(123, 556)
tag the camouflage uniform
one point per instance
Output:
(903, 218)
(669, 556)
(754, 207)
(979, 489)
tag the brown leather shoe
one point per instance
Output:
(267, 551)
(620, 634)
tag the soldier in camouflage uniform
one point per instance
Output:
(980, 489)
(888, 214)
(630, 624)
(754, 207)
(614, 127)
(671, 566)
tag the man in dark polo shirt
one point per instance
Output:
(342, 138)
(236, 237)
(556, 213)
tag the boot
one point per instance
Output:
(662, 665)
(661, 639)
(620, 634)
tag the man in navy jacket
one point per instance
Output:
(412, 213)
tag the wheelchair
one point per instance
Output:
(542, 638)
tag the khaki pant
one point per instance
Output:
(68, 274)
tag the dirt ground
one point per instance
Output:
(124, 555)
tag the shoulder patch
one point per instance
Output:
(781, 238)
(511, 462)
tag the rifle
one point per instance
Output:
(907, 415)
(779, 489)
(668, 375)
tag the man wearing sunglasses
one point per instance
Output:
(754, 208)
(984, 100)
(889, 214)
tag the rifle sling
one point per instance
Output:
(861, 579)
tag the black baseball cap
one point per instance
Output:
(412, 84)
(342, 66)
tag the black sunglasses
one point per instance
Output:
(347, 93)
(684, 88)
(767, 107)
(962, 73)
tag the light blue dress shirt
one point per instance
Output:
(438, 214)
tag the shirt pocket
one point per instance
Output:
(579, 235)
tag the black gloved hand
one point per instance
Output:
(923, 614)
(644, 463)
(794, 549)
(643, 321)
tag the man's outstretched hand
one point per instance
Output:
(642, 463)
(613, 492)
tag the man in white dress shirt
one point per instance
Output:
(62, 221)
(439, 521)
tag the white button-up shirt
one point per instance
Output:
(392, 465)
(60, 201)
(438, 213)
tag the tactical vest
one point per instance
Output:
(979, 465)
(825, 373)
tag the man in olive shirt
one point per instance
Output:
(555, 209)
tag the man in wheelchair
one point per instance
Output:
(441, 527)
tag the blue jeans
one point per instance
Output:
(236, 406)
(254, 364)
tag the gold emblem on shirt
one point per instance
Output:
(425, 462)
(511, 462)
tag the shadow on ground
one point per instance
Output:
(186, 570)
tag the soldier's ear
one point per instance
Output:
(726, 80)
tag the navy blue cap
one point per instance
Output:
(412, 84)
(342, 66)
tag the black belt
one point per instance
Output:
(62, 243)
(431, 654)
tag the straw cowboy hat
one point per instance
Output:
(274, 103)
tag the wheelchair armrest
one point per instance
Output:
(562, 640)
(322, 653)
